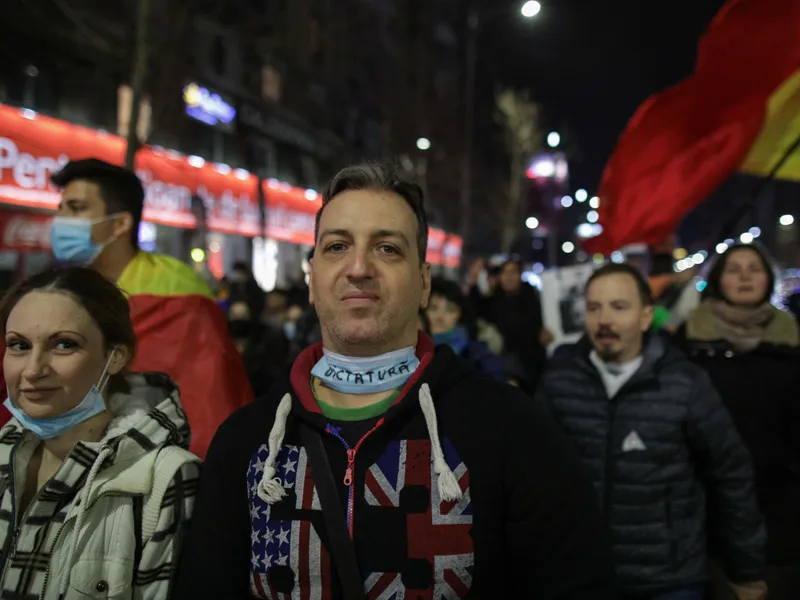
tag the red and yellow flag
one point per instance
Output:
(738, 110)
(182, 332)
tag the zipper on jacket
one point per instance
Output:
(11, 540)
(61, 529)
(609, 464)
(349, 477)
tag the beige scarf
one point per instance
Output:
(742, 326)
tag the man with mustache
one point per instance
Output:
(660, 447)
(384, 467)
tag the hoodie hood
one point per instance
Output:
(439, 370)
(146, 417)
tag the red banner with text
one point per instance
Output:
(33, 146)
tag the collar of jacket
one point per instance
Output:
(781, 331)
(146, 418)
(654, 349)
(300, 378)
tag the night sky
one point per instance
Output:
(590, 65)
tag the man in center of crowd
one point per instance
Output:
(385, 468)
(660, 447)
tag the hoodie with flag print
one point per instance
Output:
(110, 522)
(464, 488)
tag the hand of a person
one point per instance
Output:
(756, 590)
(546, 337)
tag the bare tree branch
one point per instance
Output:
(521, 119)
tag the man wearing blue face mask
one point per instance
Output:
(179, 327)
(382, 467)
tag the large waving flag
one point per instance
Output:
(182, 332)
(738, 110)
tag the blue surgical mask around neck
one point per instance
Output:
(71, 239)
(92, 404)
(366, 375)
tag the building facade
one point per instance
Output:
(249, 107)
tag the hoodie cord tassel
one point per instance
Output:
(270, 488)
(449, 489)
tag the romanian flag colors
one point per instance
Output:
(738, 110)
(182, 332)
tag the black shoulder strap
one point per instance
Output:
(342, 550)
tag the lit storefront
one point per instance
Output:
(192, 207)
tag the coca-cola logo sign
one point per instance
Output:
(24, 232)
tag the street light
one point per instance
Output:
(594, 202)
(592, 216)
(568, 247)
(566, 201)
(531, 9)
(746, 238)
(581, 195)
(423, 144)
(553, 139)
(531, 222)
(786, 220)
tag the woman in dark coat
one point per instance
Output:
(751, 350)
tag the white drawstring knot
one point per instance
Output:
(83, 501)
(270, 488)
(449, 489)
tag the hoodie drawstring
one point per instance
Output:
(270, 488)
(83, 502)
(449, 490)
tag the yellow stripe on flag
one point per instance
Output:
(781, 130)
(161, 275)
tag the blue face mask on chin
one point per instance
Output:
(366, 375)
(93, 404)
(71, 239)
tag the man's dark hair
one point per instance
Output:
(713, 287)
(120, 188)
(645, 294)
(382, 177)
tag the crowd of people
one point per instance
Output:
(409, 436)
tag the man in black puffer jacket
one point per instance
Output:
(659, 445)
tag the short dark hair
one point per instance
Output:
(714, 289)
(451, 291)
(100, 297)
(379, 176)
(645, 293)
(120, 188)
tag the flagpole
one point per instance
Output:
(758, 189)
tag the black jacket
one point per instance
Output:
(526, 527)
(653, 452)
(760, 389)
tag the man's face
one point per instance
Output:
(616, 318)
(510, 278)
(367, 283)
(82, 199)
